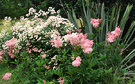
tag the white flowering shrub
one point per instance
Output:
(33, 34)
(37, 29)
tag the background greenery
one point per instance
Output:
(17, 8)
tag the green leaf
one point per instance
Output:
(108, 71)
(112, 18)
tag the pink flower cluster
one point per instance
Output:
(74, 40)
(95, 22)
(114, 34)
(61, 81)
(7, 76)
(80, 39)
(11, 44)
(57, 42)
(77, 62)
(43, 56)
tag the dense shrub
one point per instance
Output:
(48, 48)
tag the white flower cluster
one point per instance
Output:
(7, 20)
(3, 34)
(51, 10)
(38, 28)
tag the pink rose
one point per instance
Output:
(95, 22)
(76, 63)
(11, 43)
(7, 76)
(114, 34)
(78, 58)
(43, 56)
(58, 42)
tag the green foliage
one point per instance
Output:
(109, 23)
(38, 58)
(12, 8)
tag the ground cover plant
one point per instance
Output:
(44, 48)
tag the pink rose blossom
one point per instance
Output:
(77, 62)
(43, 56)
(113, 35)
(77, 39)
(58, 42)
(7, 76)
(74, 40)
(78, 58)
(11, 43)
(117, 31)
(95, 22)
(86, 45)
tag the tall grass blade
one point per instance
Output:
(112, 18)
(127, 56)
(75, 19)
(130, 30)
(125, 18)
(102, 36)
(130, 66)
(131, 42)
(117, 18)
